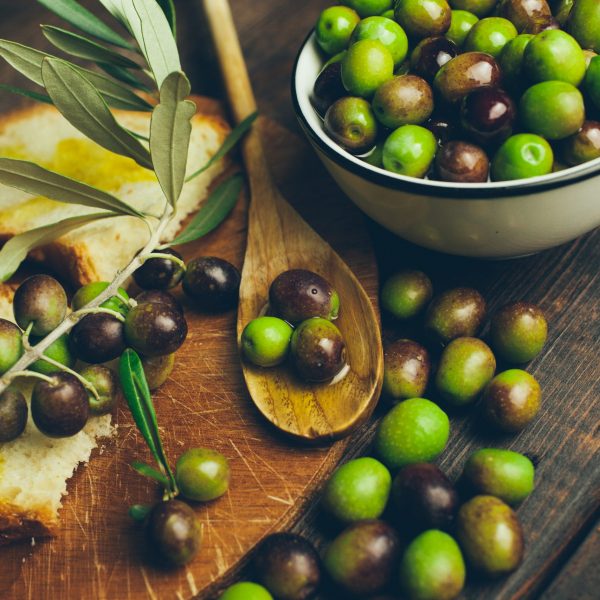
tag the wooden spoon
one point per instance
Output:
(279, 239)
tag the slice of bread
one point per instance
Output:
(96, 251)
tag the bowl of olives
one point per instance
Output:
(468, 127)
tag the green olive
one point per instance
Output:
(511, 60)
(58, 351)
(423, 18)
(386, 31)
(84, 295)
(490, 35)
(461, 23)
(521, 156)
(266, 341)
(157, 369)
(481, 8)
(11, 345)
(367, 65)
(405, 294)
(351, 123)
(406, 370)
(105, 383)
(13, 414)
(584, 23)
(202, 474)
(334, 28)
(410, 150)
(591, 84)
(368, 8)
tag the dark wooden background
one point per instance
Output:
(561, 517)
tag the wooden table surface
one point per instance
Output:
(561, 518)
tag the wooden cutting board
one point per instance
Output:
(99, 552)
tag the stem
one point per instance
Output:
(170, 257)
(100, 309)
(71, 320)
(26, 334)
(86, 384)
(24, 373)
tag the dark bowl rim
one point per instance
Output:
(412, 185)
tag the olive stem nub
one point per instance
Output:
(25, 339)
(170, 257)
(99, 309)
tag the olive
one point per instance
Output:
(461, 23)
(490, 35)
(245, 590)
(522, 12)
(84, 295)
(375, 157)
(350, 122)
(362, 559)
(334, 28)
(202, 474)
(505, 474)
(466, 73)
(11, 345)
(157, 369)
(357, 490)
(488, 115)
(584, 23)
(403, 99)
(490, 535)
(174, 532)
(367, 65)
(414, 431)
(432, 567)
(520, 156)
(213, 283)
(461, 162)
(59, 351)
(266, 341)
(519, 331)
(155, 329)
(562, 10)
(105, 383)
(588, 54)
(512, 400)
(160, 273)
(466, 366)
(386, 31)
(13, 414)
(98, 338)
(409, 150)
(60, 407)
(298, 294)
(41, 301)
(511, 61)
(431, 54)
(443, 129)
(583, 145)
(541, 24)
(288, 566)
(554, 55)
(318, 350)
(591, 84)
(405, 294)
(159, 297)
(458, 312)
(328, 87)
(481, 8)
(406, 370)
(368, 8)
(423, 18)
(424, 498)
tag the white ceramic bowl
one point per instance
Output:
(493, 220)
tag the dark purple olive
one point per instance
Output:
(488, 115)
(298, 294)
(97, 338)
(60, 408)
(13, 414)
(328, 87)
(159, 297)
(461, 162)
(443, 129)
(159, 273)
(431, 54)
(288, 566)
(406, 370)
(523, 12)
(155, 329)
(213, 283)
(424, 498)
(174, 532)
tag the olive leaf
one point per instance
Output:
(78, 16)
(230, 141)
(84, 48)
(15, 251)
(151, 472)
(136, 392)
(151, 29)
(125, 76)
(170, 131)
(218, 205)
(83, 106)
(28, 61)
(27, 93)
(38, 181)
(168, 7)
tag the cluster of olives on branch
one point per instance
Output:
(302, 306)
(462, 90)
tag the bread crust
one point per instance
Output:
(16, 524)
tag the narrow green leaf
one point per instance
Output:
(78, 16)
(27, 93)
(125, 76)
(151, 472)
(83, 106)
(15, 251)
(28, 61)
(115, 8)
(151, 29)
(170, 131)
(38, 181)
(138, 512)
(168, 7)
(213, 212)
(230, 142)
(84, 48)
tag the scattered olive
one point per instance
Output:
(405, 294)
(60, 407)
(11, 345)
(362, 559)
(490, 535)
(174, 532)
(266, 341)
(357, 490)
(461, 162)
(202, 474)
(157, 369)
(512, 400)
(245, 590)
(58, 351)
(41, 301)
(406, 370)
(13, 414)
(424, 498)
(97, 338)
(430, 54)
(213, 283)
(159, 297)
(160, 273)
(351, 123)
(288, 566)
(105, 383)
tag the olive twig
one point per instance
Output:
(8, 377)
(86, 384)
(99, 310)
(25, 338)
(170, 257)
